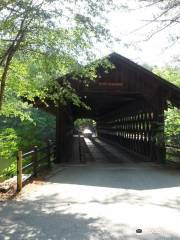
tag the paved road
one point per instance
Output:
(103, 200)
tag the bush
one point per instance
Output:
(9, 144)
(8, 148)
(17, 135)
(172, 126)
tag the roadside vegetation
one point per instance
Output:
(23, 135)
(172, 116)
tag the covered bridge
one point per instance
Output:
(128, 104)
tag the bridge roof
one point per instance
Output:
(123, 84)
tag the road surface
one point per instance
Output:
(108, 198)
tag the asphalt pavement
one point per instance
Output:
(105, 199)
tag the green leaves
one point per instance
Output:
(172, 115)
(54, 38)
(17, 135)
(172, 74)
(8, 147)
(172, 126)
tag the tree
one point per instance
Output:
(17, 135)
(167, 15)
(42, 40)
(172, 114)
(171, 74)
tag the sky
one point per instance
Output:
(127, 25)
(156, 51)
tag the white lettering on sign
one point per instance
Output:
(111, 84)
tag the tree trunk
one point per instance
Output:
(9, 55)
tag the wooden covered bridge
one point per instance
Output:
(127, 102)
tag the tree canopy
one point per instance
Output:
(42, 40)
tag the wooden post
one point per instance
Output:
(19, 171)
(161, 147)
(49, 143)
(59, 135)
(35, 159)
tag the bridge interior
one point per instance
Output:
(99, 151)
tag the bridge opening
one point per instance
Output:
(85, 127)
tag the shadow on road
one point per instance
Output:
(47, 218)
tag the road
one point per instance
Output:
(108, 198)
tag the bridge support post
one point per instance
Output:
(160, 138)
(60, 122)
(158, 149)
(64, 133)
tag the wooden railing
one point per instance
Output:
(31, 162)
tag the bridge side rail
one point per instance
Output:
(32, 162)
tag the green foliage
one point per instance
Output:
(55, 36)
(8, 149)
(9, 172)
(172, 74)
(31, 133)
(82, 123)
(17, 135)
(172, 133)
(8, 144)
(172, 126)
(172, 114)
